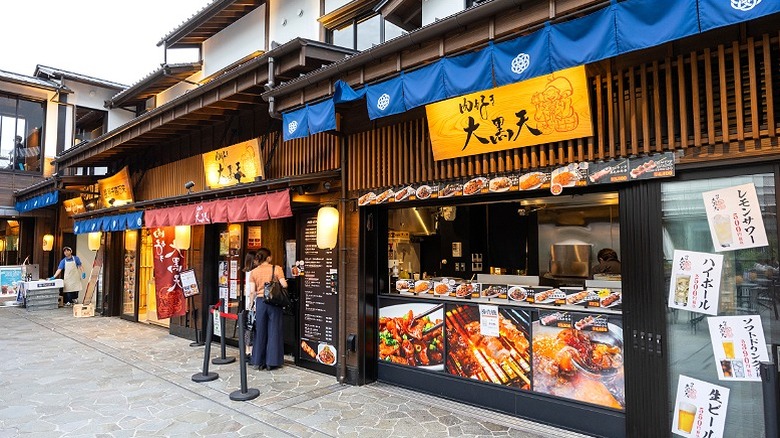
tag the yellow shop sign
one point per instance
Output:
(236, 164)
(546, 109)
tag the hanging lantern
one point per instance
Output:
(327, 227)
(93, 241)
(48, 242)
(181, 239)
(2, 244)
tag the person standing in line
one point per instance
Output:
(268, 348)
(250, 263)
(72, 276)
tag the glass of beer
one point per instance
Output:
(686, 413)
(728, 348)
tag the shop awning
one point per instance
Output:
(274, 205)
(619, 28)
(39, 201)
(118, 222)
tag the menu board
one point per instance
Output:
(579, 356)
(700, 409)
(695, 281)
(739, 346)
(735, 220)
(319, 298)
(8, 276)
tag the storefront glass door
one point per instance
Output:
(129, 274)
(749, 286)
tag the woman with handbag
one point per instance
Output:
(268, 348)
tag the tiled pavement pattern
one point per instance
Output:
(107, 377)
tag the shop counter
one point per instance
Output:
(41, 294)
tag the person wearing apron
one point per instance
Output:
(72, 276)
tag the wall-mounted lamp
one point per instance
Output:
(48, 242)
(327, 227)
(93, 240)
(182, 237)
(189, 185)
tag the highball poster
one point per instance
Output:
(168, 264)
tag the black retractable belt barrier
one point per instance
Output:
(769, 383)
(243, 394)
(222, 359)
(206, 376)
(194, 318)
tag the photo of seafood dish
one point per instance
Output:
(499, 184)
(600, 174)
(327, 354)
(402, 285)
(403, 193)
(384, 196)
(366, 199)
(422, 286)
(308, 350)
(474, 186)
(580, 365)
(611, 300)
(577, 297)
(491, 291)
(503, 360)
(423, 192)
(464, 290)
(412, 335)
(643, 168)
(531, 181)
(441, 288)
(518, 293)
(450, 190)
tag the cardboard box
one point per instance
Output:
(83, 310)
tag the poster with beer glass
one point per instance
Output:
(739, 346)
(734, 216)
(695, 281)
(699, 409)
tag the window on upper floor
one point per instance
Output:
(21, 133)
(365, 32)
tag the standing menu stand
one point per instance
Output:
(41, 294)
(189, 285)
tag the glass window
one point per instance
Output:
(21, 129)
(332, 5)
(749, 286)
(344, 37)
(369, 32)
(392, 31)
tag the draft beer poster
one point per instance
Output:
(739, 346)
(699, 409)
(695, 281)
(734, 216)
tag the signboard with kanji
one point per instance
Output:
(695, 281)
(739, 346)
(735, 218)
(699, 409)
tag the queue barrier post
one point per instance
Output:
(206, 376)
(223, 358)
(243, 394)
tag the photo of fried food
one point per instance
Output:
(423, 192)
(326, 355)
(464, 290)
(411, 334)
(384, 196)
(307, 349)
(441, 289)
(531, 180)
(564, 178)
(500, 184)
(422, 286)
(366, 199)
(474, 186)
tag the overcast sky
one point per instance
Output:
(108, 39)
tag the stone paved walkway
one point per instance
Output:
(106, 377)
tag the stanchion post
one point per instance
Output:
(206, 376)
(243, 394)
(222, 359)
(769, 383)
(194, 312)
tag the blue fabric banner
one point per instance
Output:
(115, 223)
(134, 221)
(39, 201)
(424, 85)
(587, 39)
(647, 23)
(385, 98)
(322, 117)
(468, 73)
(718, 13)
(522, 58)
(295, 124)
(344, 93)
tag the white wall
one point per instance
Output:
(304, 26)
(178, 89)
(433, 10)
(238, 40)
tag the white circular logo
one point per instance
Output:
(292, 126)
(383, 102)
(138, 221)
(744, 5)
(521, 62)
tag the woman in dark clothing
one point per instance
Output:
(268, 349)
(608, 262)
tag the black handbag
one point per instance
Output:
(275, 294)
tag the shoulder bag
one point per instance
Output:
(274, 294)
